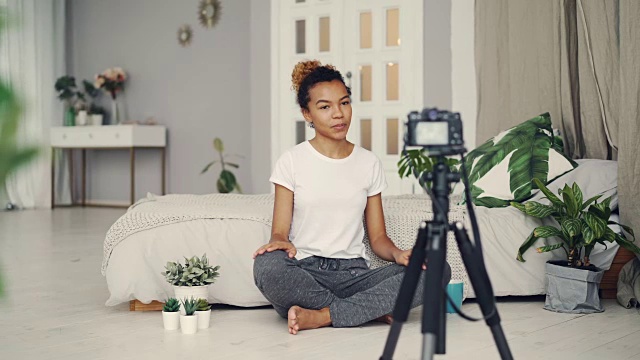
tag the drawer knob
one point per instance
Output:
(64, 136)
(90, 136)
(117, 136)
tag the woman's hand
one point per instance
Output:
(287, 246)
(402, 258)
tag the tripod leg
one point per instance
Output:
(432, 311)
(482, 286)
(407, 292)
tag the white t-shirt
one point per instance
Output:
(329, 198)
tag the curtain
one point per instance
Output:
(32, 57)
(575, 59)
(548, 56)
(628, 131)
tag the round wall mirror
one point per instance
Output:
(209, 12)
(185, 35)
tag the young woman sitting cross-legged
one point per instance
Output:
(315, 270)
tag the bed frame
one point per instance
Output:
(608, 285)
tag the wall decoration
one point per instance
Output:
(209, 12)
(185, 35)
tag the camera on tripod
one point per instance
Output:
(439, 131)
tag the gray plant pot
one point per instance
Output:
(571, 290)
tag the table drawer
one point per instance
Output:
(108, 136)
(91, 138)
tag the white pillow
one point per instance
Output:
(593, 176)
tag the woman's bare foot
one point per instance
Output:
(303, 319)
(385, 319)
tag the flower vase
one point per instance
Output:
(115, 116)
(70, 117)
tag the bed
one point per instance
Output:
(228, 228)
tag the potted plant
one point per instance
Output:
(416, 162)
(204, 313)
(192, 278)
(227, 181)
(171, 314)
(67, 92)
(96, 114)
(189, 320)
(87, 108)
(573, 283)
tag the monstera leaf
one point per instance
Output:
(527, 147)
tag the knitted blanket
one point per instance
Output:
(403, 215)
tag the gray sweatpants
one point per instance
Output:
(354, 293)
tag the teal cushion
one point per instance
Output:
(502, 169)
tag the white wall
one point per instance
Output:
(463, 74)
(198, 92)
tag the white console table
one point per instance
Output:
(109, 137)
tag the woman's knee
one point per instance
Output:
(269, 267)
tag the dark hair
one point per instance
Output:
(309, 73)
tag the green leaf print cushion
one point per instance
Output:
(502, 169)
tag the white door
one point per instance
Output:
(377, 45)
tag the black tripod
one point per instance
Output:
(431, 244)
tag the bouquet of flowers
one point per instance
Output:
(111, 80)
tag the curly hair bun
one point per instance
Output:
(302, 70)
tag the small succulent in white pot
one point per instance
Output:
(171, 314)
(204, 313)
(189, 321)
(191, 278)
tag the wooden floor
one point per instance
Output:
(54, 309)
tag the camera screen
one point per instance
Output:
(432, 133)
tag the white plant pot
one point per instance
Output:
(171, 320)
(188, 324)
(204, 317)
(81, 118)
(183, 293)
(96, 119)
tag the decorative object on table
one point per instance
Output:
(185, 35)
(189, 320)
(82, 118)
(573, 283)
(12, 156)
(416, 162)
(65, 86)
(209, 12)
(96, 115)
(192, 278)
(203, 313)
(88, 107)
(227, 181)
(112, 80)
(171, 314)
(150, 121)
(515, 157)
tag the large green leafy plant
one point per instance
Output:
(416, 162)
(227, 181)
(194, 272)
(581, 224)
(11, 155)
(529, 145)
